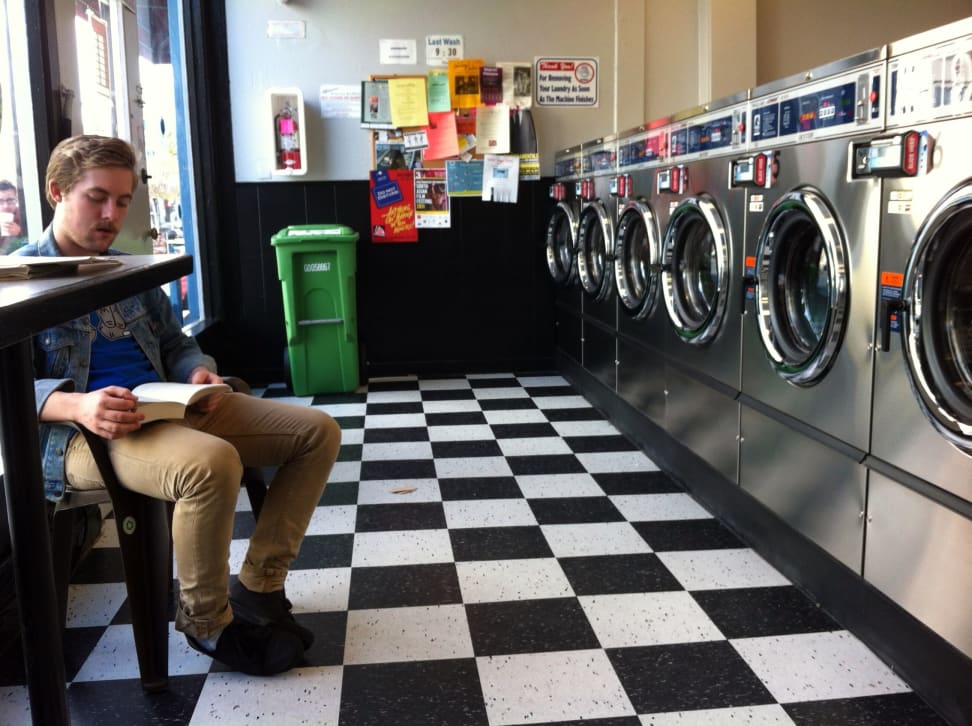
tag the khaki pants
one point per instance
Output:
(198, 463)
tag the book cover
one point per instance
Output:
(166, 400)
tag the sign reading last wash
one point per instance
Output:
(566, 82)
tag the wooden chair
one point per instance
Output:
(144, 539)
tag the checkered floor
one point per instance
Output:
(490, 550)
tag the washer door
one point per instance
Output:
(695, 269)
(562, 244)
(801, 286)
(636, 267)
(937, 317)
(595, 250)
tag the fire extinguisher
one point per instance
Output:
(288, 139)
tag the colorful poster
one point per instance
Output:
(432, 199)
(392, 201)
(464, 82)
(490, 85)
(443, 141)
(464, 178)
(566, 82)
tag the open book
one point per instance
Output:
(22, 267)
(161, 400)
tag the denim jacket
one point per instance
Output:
(62, 357)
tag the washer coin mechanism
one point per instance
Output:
(809, 291)
(919, 509)
(561, 251)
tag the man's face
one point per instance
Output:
(89, 216)
(8, 202)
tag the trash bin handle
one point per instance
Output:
(321, 321)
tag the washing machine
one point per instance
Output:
(701, 265)
(595, 258)
(637, 271)
(810, 287)
(561, 250)
(920, 502)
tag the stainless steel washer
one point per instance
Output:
(561, 251)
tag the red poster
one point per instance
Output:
(392, 206)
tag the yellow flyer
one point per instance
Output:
(464, 82)
(407, 99)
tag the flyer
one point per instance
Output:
(432, 207)
(375, 105)
(517, 84)
(464, 178)
(501, 178)
(392, 201)
(464, 82)
(493, 129)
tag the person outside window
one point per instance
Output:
(12, 235)
(85, 370)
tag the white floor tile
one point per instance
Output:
(397, 450)
(817, 666)
(301, 696)
(483, 394)
(14, 705)
(457, 406)
(338, 410)
(551, 402)
(535, 446)
(769, 715)
(113, 657)
(323, 590)
(352, 436)
(345, 471)
(541, 486)
(333, 520)
(406, 634)
(658, 507)
(545, 687)
(721, 569)
(394, 396)
(406, 547)
(516, 416)
(394, 421)
(541, 381)
(444, 384)
(94, 605)
(474, 466)
(383, 491)
(471, 432)
(585, 428)
(606, 462)
(596, 538)
(648, 618)
(504, 580)
(464, 514)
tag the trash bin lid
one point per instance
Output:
(297, 233)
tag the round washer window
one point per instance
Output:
(636, 265)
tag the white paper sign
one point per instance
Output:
(566, 81)
(340, 101)
(400, 51)
(440, 49)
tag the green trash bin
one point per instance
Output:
(316, 269)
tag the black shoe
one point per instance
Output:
(258, 650)
(267, 608)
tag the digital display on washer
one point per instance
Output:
(712, 134)
(823, 109)
(640, 151)
(566, 166)
(602, 159)
(766, 120)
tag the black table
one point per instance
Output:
(27, 307)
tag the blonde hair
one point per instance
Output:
(75, 155)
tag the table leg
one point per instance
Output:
(29, 537)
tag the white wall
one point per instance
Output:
(341, 47)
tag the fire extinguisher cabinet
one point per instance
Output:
(288, 132)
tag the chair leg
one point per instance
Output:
(143, 534)
(62, 531)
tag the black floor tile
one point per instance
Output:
(637, 482)
(545, 464)
(498, 543)
(547, 391)
(324, 550)
(529, 626)
(573, 414)
(389, 517)
(398, 469)
(575, 510)
(390, 409)
(500, 382)
(381, 386)
(506, 404)
(350, 423)
(395, 435)
(522, 430)
(340, 493)
(329, 631)
(95, 703)
(463, 449)
(102, 564)
(457, 418)
(404, 586)
(485, 487)
(589, 444)
(687, 534)
(419, 693)
(900, 709)
(759, 611)
(349, 452)
(615, 574)
(687, 677)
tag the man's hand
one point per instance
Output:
(201, 374)
(108, 412)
